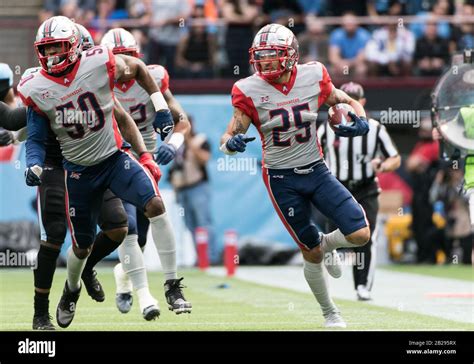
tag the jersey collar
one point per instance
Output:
(124, 86)
(285, 88)
(65, 79)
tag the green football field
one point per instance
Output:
(218, 304)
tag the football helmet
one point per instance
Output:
(120, 41)
(86, 39)
(274, 43)
(59, 31)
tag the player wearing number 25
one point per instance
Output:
(281, 100)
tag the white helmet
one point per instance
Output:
(274, 42)
(62, 31)
(86, 38)
(120, 41)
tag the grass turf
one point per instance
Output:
(218, 304)
(453, 271)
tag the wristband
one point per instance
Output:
(158, 101)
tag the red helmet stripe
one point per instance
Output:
(263, 39)
(47, 28)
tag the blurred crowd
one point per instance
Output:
(211, 38)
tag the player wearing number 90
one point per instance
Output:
(90, 143)
(281, 100)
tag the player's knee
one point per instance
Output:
(314, 255)
(359, 237)
(56, 232)
(81, 253)
(154, 207)
(309, 235)
(117, 234)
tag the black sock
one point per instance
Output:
(41, 303)
(43, 277)
(103, 246)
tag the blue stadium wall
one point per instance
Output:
(239, 201)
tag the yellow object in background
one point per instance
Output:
(398, 230)
(438, 220)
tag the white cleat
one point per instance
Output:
(334, 320)
(363, 294)
(333, 264)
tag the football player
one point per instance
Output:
(136, 101)
(280, 100)
(91, 146)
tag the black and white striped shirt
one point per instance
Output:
(349, 158)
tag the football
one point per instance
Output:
(338, 114)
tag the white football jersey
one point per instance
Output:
(79, 106)
(136, 101)
(284, 114)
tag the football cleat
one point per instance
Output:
(43, 322)
(334, 319)
(67, 306)
(93, 286)
(332, 261)
(151, 312)
(124, 301)
(174, 296)
(363, 294)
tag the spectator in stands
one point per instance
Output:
(106, 11)
(431, 53)
(82, 11)
(190, 180)
(451, 209)
(239, 16)
(346, 48)
(141, 11)
(341, 7)
(313, 7)
(385, 7)
(285, 12)
(314, 44)
(196, 50)
(423, 165)
(166, 30)
(390, 51)
(462, 35)
(440, 8)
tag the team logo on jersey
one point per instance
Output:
(265, 98)
(45, 94)
(75, 175)
(66, 80)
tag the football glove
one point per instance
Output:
(146, 160)
(238, 143)
(163, 123)
(32, 175)
(6, 137)
(360, 127)
(166, 154)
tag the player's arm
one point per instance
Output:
(130, 132)
(129, 129)
(12, 118)
(360, 126)
(234, 139)
(131, 68)
(180, 128)
(37, 133)
(340, 97)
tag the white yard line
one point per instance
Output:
(401, 291)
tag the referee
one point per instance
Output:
(355, 162)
